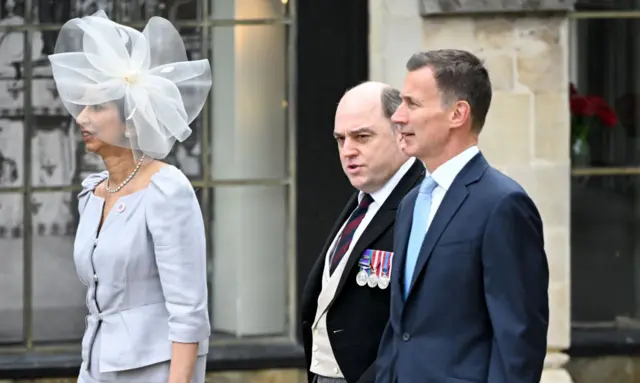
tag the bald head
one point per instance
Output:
(376, 97)
(367, 143)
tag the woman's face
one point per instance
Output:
(101, 126)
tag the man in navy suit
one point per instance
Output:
(469, 298)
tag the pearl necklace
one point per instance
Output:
(126, 181)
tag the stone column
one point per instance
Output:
(527, 130)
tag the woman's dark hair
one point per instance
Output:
(121, 112)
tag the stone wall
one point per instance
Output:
(527, 130)
(263, 376)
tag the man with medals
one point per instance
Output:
(345, 303)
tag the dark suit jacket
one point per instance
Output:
(357, 315)
(477, 310)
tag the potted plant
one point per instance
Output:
(588, 113)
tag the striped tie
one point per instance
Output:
(347, 233)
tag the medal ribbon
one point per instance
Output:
(385, 264)
(365, 260)
(376, 262)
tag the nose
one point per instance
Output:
(83, 117)
(400, 115)
(349, 148)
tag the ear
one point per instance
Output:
(460, 114)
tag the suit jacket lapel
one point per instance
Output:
(402, 230)
(312, 291)
(450, 204)
(452, 201)
(384, 218)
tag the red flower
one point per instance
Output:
(608, 116)
(591, 106)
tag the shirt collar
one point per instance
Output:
(447, 172)
(381, 195)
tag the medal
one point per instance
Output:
(361, 278)
(364, 263)
(372, 281)
(383, 282)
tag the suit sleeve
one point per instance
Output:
(516, 279)
(175, 223)
(369, 375)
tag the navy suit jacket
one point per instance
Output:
(477, 309)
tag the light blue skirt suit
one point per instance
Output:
(145, 273)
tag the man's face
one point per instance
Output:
(423, 122)
(367, 144)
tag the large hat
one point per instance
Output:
(147, 73)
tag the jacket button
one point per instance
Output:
(406, 337)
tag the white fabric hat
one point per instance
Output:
(97, 61)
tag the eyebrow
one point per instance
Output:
(410, 98)
(362, 130)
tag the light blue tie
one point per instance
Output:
(418, 229)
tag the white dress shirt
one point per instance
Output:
(444, 176)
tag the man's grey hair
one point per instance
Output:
(459, 76)
(390, 100)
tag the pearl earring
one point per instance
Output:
(126, 133)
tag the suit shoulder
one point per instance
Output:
(501, 184)
(497, 186)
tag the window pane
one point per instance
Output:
(607, 5)
(54, 11)
(11, 175)
(250, 260)
(607, 81)
(11, 73)
(127, 11)
(59, 11)
(12, 260)
(56, 154)
(248, 118)
(605, 248)
(247, 9)
(606, 203)
(58, 295)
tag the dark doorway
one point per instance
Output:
(332, 50)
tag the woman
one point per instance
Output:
(140, 243)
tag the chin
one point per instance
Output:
(357, 182)
(95, 146)
(408, 150)
(92, 148)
